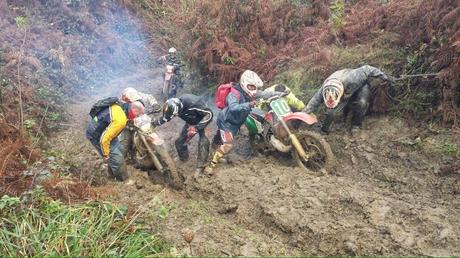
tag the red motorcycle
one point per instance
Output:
(289, 132)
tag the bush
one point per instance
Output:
(36, 225)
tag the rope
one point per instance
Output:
(405, 76)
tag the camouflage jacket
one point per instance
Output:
(352, 80)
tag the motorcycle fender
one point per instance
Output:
(168, 76)
(307, 118)
(155, 139)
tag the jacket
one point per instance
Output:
(194, 112)
(237, 110)
(352, 80)
(294, 103)
(108, 125)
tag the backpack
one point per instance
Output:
(102, 104)
(220, 99)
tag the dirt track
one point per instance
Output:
(388, 195)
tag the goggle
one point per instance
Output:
(251, 87)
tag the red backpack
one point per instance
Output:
(220, 99)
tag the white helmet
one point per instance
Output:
(250, 82)
(332, 92)
(130, 95)
(172, 51)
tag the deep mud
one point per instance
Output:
(393, 192)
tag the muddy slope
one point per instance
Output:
(387, 196)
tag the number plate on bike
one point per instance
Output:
(280, 107)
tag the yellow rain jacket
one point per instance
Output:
(108, 125)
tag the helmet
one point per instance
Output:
(171, 108)
(172, 51)
(250, 82)
(129, 95)
(332, 92)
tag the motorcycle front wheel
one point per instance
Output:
(319, 151)
(169, 168)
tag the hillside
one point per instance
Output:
(394, 190)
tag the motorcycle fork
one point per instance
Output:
(154, 158)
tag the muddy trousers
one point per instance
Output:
(116, 165)
(222, 143)
(126, 140)
(203, 146)
(358, 105)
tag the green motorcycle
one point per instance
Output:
(279, 128)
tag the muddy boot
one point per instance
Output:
(110, 173)
(355, 130)
(209, 170)
(122, 174)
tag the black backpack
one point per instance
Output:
(102, 104)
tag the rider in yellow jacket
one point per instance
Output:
(103, 132)
(294, 103)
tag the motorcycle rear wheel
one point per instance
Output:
(321, 156)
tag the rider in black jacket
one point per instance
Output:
(197, 116)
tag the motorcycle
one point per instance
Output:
(289, 132)
(171, 82)
(150, 154)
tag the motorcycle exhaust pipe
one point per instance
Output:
(279, 146)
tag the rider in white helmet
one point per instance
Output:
(172, 59)
(129, 95)
(346, 90)
(239, 102)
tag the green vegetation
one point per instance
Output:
(308, 77)
(450, 149)
(338, 13)
(36, 225)
(21, 22)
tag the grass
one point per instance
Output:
(308, 77)
(36, 225)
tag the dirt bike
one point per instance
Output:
(289, 132)
(150, 153)
(171, 82)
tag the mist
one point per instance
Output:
(76, 47)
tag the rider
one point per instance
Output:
(172, 59)
(294, 103)
(231, 118)
(151, 105)
(104, 129)
(344, 90)
(197, 116)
